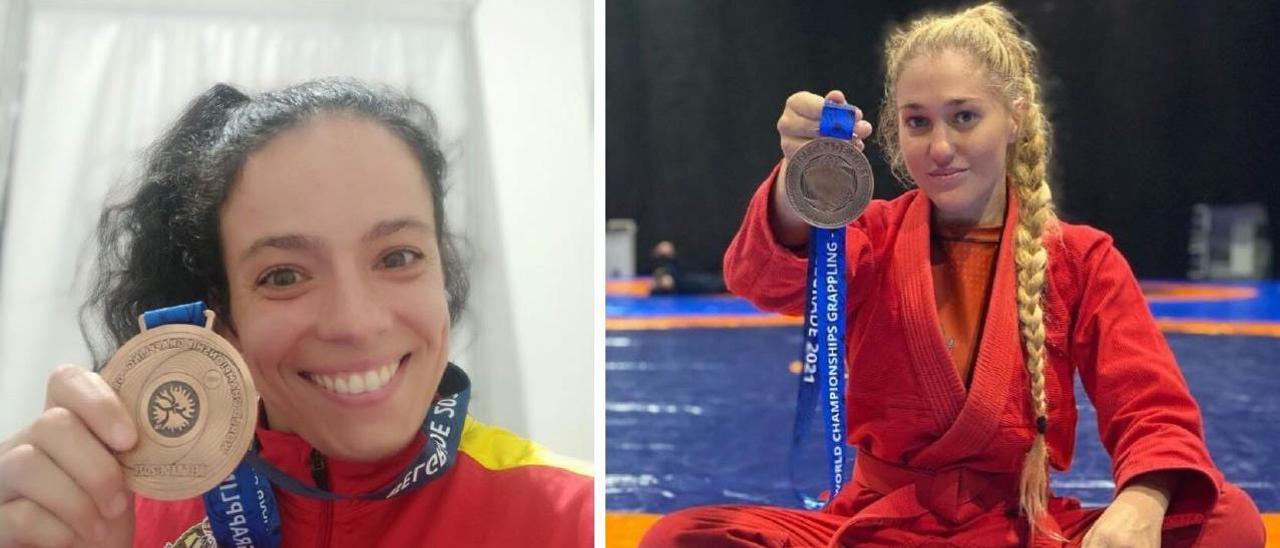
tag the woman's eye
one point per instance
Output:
(400, 258)
(965, 117)
(916, 122)
(280, 278)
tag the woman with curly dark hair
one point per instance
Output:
(311, 221)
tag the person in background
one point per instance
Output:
(669, 279)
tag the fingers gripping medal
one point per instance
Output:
(192, 400)
(829, 182)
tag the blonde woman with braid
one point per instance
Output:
(970, 309)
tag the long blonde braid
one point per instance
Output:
(1035, 214)
(993, 39)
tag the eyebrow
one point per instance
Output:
(387, 228)
(951, 103)
(291, 242)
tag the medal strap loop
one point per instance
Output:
(837, 120)
(190, 313)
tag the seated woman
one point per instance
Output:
(971, 308)
(311, 220)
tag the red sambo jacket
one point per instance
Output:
(944, 455)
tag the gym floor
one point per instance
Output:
(683, 372)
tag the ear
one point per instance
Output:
(1019, 112)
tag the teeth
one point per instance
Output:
(356, 383)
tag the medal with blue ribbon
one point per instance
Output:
(829, 185)
(197, 410)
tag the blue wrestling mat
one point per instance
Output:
(703, 414)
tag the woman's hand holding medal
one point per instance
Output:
(60, 483)
(799, 125)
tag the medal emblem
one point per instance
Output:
(194, 405)
(173, 409)
(829, 182)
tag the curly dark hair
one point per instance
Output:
(161, 246)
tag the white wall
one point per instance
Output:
(12, 47)
(536, 87)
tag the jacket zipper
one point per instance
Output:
(320, 474)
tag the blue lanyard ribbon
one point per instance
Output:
(822, 377)
(242, 509)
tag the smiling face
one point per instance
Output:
(336, 287)
(954, 133)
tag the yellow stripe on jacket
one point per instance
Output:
(497, 449)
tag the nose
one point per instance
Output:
(352, 313)
(941, 147)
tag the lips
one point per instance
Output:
(947, 172)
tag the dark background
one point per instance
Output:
(1156, 105)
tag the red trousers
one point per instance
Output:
(1234, 521)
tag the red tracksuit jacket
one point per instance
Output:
(502, 491)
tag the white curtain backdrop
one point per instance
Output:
(103, 79)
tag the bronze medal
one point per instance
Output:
(194, 405)
(829, 182)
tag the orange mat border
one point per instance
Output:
(1172, 292)
(1213, 327)
(624, 530)
(636, 287)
